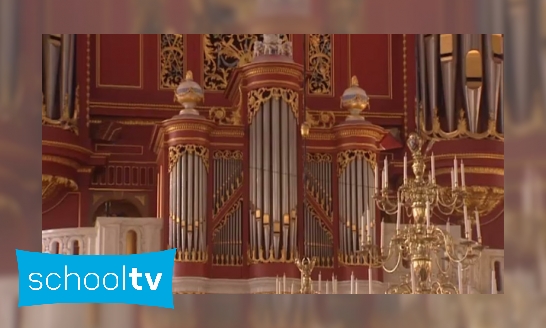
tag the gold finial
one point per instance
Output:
(189, 76)
(354, 81)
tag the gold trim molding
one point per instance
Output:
(176, 152)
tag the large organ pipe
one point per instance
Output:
(253, 188)
(259, 178)
(266, 164)
(51, 53)
(196, 210)
(180, 195)
(285, 187)
(67, 69)
(189, 221)
(184, 201)
(498, 51)
(276, 158)
(448, 63)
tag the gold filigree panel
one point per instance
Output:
(176, 152)
(258, 97)
(321, 120)
(224, 52)
(320, 63)
(346, 157)
(171, 60)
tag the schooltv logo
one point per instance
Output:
(141, 279)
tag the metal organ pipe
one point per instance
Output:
(267, 175)
(356, 196)
(253, 186)
(276, 176)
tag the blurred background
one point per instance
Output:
(522, 22)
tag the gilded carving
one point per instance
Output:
(52, 184)
(462, 130)
(225, 116)
(228, 154)
(481, 198)
(320, 51)
(171, 60)
(319, 157)
(176, 152)
(346, 157)
(321, 120)
(224, 52)
(258, 97)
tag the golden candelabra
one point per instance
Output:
(419, 242)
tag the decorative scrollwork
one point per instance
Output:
(52, 184)
(175, 152)
(319, 157)
(461, 131)
(320, 51)
(321, 120)
(228, 154)
(236, 205)
(225, 116)
(481, 198)
(171, 60)
(65, 122)
(346, 157)
(223, 53)
(258, 97)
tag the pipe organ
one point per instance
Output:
(460, 85)
(188, 171)
(356, 189)
(273, 176)
(318, 211)
(265, 200)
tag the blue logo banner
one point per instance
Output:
(141, 279)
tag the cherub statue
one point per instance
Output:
(306, 266)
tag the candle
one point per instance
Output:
(376, 173)
(455, 172)
(352, 282)
(466, 226)
(463, 180)
(452, 179)
(383, 179)
(382, 233)
(386, 165)
(398, 216)
(362, 227)
(284, 283)
(368, 222)
(448, 227)
(336, 285)
(433, 167)
(277, 285)
(427, 213)
(460, 276)
(370, 289)
(292, 288)
(405, 168)
(356, 286)
(327, 288)
(493, 282)
(478, 226)
(413, 281)
(319, 282)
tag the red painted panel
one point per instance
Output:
(64, 214)
(370, 59)
(119, 60)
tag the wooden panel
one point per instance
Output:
(119, 60)
(370, 59)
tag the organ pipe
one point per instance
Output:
(470, 71)
(227, 242)
(356, 185)
(188, 176)
(273, 161)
